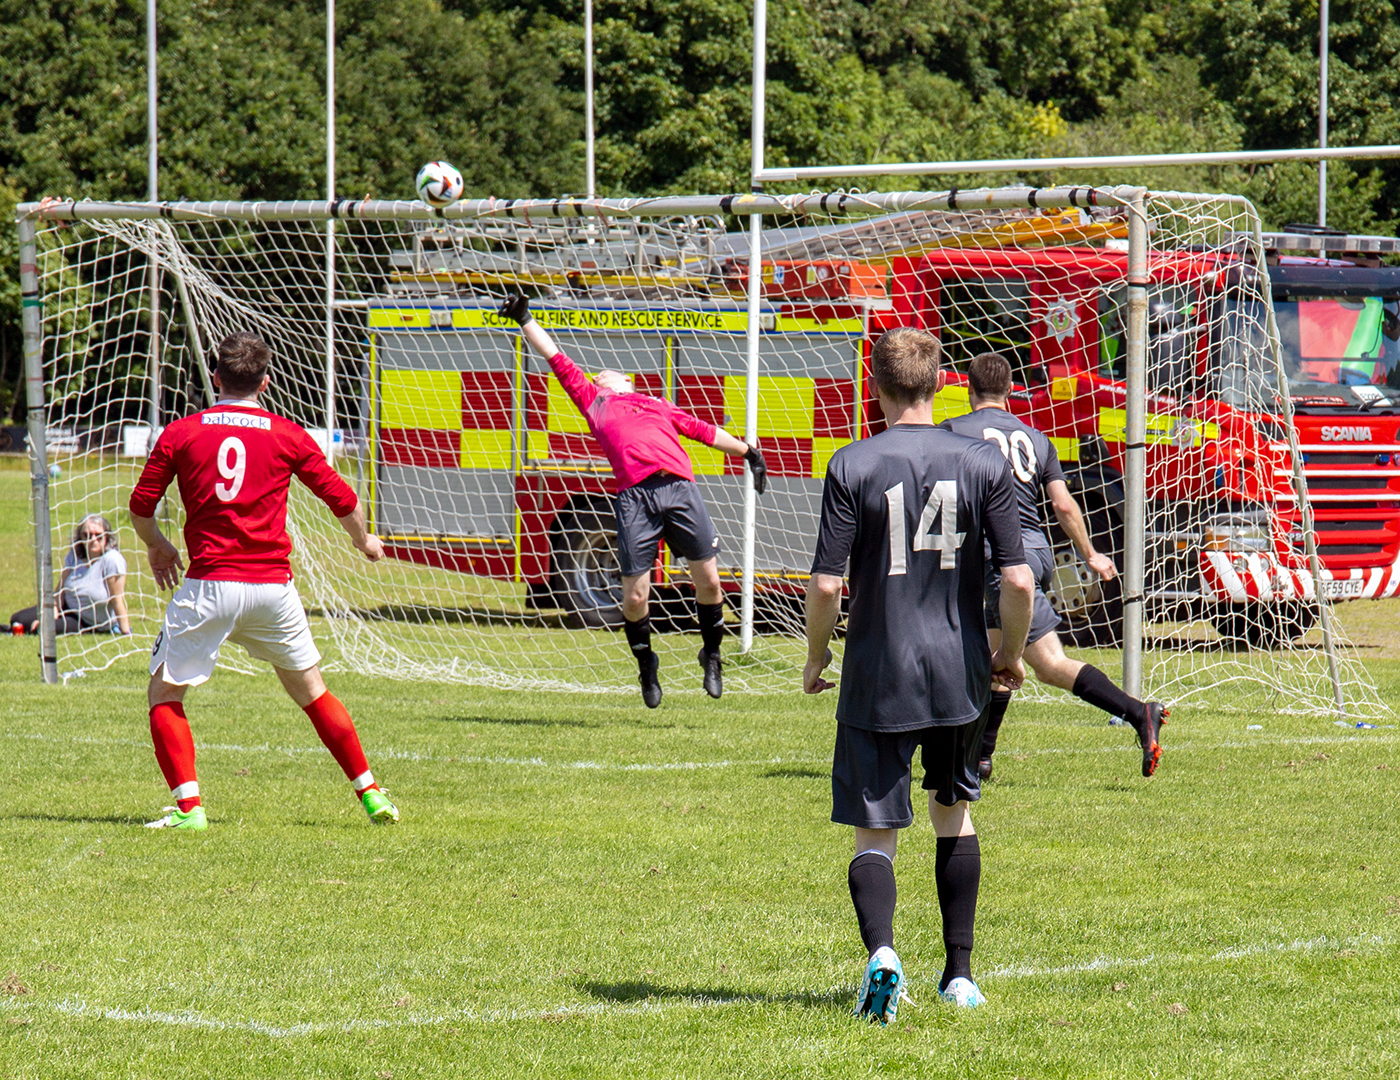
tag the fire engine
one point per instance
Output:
(483, 466)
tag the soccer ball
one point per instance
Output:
(439, 184)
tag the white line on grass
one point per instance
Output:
(673, 766)
(1105, 963)
(190, 1019)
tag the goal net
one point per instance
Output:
(495, 503)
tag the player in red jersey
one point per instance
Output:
(657, 496)
(234, 463)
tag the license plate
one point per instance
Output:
(1345, 589)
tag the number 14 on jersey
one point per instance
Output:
(941, 510)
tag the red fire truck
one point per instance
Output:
(1224, 539)
(481, 464)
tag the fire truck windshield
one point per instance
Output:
(1328, 340)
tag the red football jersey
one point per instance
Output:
(235, 463)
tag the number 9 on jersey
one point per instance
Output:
(233, 462)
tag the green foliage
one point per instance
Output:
(496, 86)
(11, 341)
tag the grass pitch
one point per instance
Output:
(581, 887)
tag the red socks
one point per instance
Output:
(337, 731)
(174, 744)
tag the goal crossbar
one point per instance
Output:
(524, 210)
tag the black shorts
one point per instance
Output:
(871, 771)
(662, 505)
(1044, 618)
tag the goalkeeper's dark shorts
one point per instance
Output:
(662, 505)
(1044, 618)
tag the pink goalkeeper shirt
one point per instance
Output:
(637, 432)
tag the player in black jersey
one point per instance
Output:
(1035, 467)
(917, 512)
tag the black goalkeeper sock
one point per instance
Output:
(996, 713)
(639, 637)
(871, 878)
(711, 625)
(957, 868)
(1093, 686)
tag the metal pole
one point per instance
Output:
(33, 319)
(1300, 480)
(330, 231)
(152, 195)
(1135, 448)
(760, 69)
(201, 361)
(1322, 50)
(588, 96)
(1110, 161)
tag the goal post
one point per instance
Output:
(1138, 325)
(32, 316)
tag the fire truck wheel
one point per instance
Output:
(588, 582)
(1099, 618)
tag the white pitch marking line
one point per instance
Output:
(685, 766)
(190, 1019)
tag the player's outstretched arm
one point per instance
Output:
(1072, 522)
(823, 609)
(365, 541)
(517, 309)
(163, 556)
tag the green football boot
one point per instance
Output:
(380, 810)
(176, 818)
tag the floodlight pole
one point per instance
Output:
(760, 71)
(1322, 50)
(330, 231)
(589, 166)
(1135, 446)
(152, 195)
(33, 321)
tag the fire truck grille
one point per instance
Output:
(1347, 483)
(1349, 549)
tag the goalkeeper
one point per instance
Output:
(657, 496)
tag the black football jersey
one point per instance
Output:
(909, 509)
(1034, 462)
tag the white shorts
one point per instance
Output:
(267, 620)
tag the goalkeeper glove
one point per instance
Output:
(516, 307)
(754, 457)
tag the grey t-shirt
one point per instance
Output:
(85, 589)
(1034, 462)
(910, 509)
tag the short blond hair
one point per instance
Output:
(905, 364)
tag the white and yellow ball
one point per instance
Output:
(439, 184)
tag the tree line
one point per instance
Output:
(496, 87)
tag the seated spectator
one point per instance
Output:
(92, 588)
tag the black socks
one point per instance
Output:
(957, 869)
(639, 637)
(871, 878)
(711, 630)
(996, 713)
(1093, 686)
(711, 625)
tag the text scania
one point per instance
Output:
(1346, 434)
